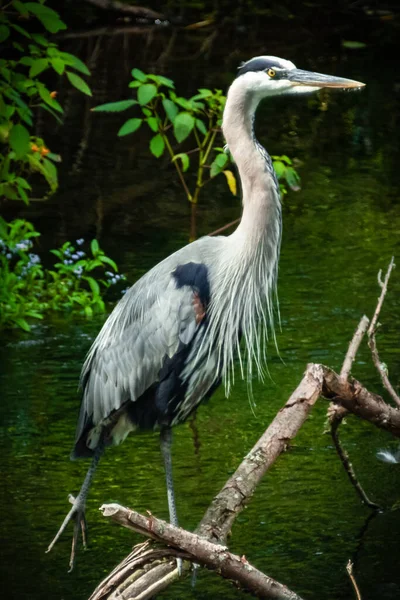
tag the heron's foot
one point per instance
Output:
(77, 513)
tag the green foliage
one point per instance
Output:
(21, 91)
(286, 172)
(174, 119)
(75, 283)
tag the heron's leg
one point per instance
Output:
(77, 512)
(166, 443)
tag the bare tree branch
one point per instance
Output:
(372, 331)
(353, 347)
(337, 413)
(349, 569)
(196, 549)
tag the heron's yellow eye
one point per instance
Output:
(271, 72)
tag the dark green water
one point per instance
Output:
(305, 520)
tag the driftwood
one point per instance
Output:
(150, 568)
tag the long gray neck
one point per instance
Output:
(261, 199)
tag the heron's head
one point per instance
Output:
(272, 76)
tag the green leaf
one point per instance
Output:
(58, 65)
(94, 286)
(129, 126)
(88, 312)
(134, 84)
(20, 7)
(183, 125)
(157, 145)
(201, 127)
(23, 183)
(162, 81)
(118, 106)
(94, 246)
(73, 61)
(51, 111)
(153, 123)
(25, 115)
(38, 65)
(54, 157)
(292, 179)
(171, 110)
(49, 18)
(19, 140)
(40, 39)
(79, 83)
(4, 32)
(353, 45)
(218, 164)
(45, 96)
(22, 324)
(279, 168)
(20, 30)
(51, 172)
(146, 93)
(109, 261)
(184, 159)
(23, 195)
(26, 60)
(139, 75)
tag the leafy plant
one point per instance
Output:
(22, 91)
(174, 120)
(76, 283)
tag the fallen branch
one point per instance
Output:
(191, 547)
(148, 575)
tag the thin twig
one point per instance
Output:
(372, 331)
(221, 229)
(336, 413)
(349, 569)
(353, 347)
(383, 285)
(348, 467)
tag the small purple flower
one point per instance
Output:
(80, 241)
(75, 256)
(81, 253)
(9, 255)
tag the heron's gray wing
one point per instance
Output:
(155, 317)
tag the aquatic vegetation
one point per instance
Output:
(76, 283)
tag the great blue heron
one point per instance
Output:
(175, 334)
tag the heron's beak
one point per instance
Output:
(317, 80)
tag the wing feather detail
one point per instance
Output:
(148, 325)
